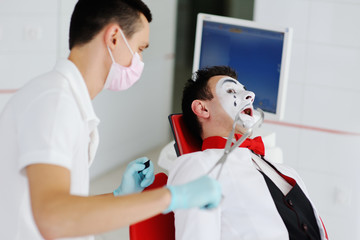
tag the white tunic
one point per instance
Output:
(50, 120)
(247, 210)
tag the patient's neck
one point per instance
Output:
(218, 131)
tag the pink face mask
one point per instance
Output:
(120, 77)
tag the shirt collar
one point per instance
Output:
(77, 84)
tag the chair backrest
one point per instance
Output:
(162, 227)
(159, 227)
(185, 141)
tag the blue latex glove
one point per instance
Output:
(203, 192)
(136, 178)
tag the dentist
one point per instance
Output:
(49, 136)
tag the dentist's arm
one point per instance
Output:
(59, 214)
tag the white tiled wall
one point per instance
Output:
(4, 98)
(331, 108)
(323, 92)
(322, 58)
(16, 68)
(65, 8)
(334, 22)
(28, 40)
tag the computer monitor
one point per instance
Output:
(259, 54)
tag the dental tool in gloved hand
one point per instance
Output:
(138, 175)
(147, 164)
(203, 192)
(228, 148)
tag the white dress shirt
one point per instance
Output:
(247, 210)
(49, 121)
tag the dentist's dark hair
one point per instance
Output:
(197, 88)
(91, 16)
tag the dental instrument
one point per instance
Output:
(228, 148)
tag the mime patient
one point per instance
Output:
(262, 200)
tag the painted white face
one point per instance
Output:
(236, 100)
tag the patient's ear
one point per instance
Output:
(200, 109)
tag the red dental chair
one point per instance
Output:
(161, 227)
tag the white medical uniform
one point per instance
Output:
(247, 210)
(49, 121)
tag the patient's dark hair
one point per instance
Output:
(197, 89)
(91, 16)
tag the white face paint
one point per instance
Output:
(236, 100)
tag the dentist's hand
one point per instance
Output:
(203, 192)
(136, 177)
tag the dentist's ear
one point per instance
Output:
(111, 34)
(199, 108)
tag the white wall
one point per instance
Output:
(33, 34)
(28, 41)
(323, 92)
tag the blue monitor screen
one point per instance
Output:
(255, 54)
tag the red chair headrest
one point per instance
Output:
(185, 141)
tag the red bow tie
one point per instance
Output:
(256, 144)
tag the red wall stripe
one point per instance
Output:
(286, 124)
(7, 91)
